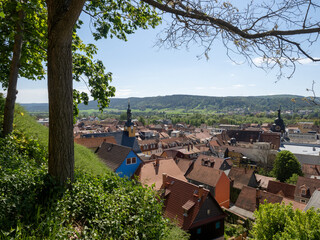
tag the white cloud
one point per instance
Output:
(251, 85)
(200, 88)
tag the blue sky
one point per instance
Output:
(141, 69)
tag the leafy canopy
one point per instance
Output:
(275, 221)
(285, 165)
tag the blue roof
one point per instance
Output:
(122, 138)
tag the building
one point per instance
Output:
(122, 160)
(193, 208)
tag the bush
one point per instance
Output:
(96, 207)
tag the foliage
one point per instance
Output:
(233, 230)
(293, 179)
(97, 206)
(34, 48)
(285, 165)
(275, 221)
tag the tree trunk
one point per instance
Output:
(62, 16)
(13, 78)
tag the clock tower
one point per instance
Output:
(128, 126)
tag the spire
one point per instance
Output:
(128, 123)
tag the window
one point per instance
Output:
(217, 225)
(199, 231)
(132, 160)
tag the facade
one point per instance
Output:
(120, 159)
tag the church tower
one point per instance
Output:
(128, 126)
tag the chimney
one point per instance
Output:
(200, 192)
(245, 170)
(188, 147)
(257, 198)
(164, 178)
(157, 162)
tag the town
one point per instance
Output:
(209, 178)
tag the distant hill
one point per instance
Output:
(191, 102)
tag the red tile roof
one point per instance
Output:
(282, 189)
(204, 174)
(184, 202)
(248, 198)
(151, 172)
(94, 142)
(242, 177)
(309, 183)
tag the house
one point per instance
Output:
(94, 142)
(150, 172)
(214, 162)
(122, 160)
(239, 178)
(263, 181)
(314, 201)
(310, 170)
(305, 188)
(282, 189)
(190, 152)
(193, 208)
(242, 177)
(184, 164)
(249, 200)
(149, 146)
(216, 181)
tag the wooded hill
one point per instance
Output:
(191, 102)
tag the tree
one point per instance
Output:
(285, 165)
(23, 51)
(278, 32)
(293, 179)
(275, 221)
(110, 19)
(23, 44)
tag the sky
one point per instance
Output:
(142, 69)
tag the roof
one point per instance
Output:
(184, 164)
(308, 159)
(184, 200)
(241, 211)
(112, 154)
(205, 175)
(263, 180)
(314, 201)
(186, 151)
(241, 177)
(94, 142)
(310, 170)
(122, 138)
(248, 198)
(295, 205)
(283, 189)
(151, 172)
(218, 163)
(310, 183)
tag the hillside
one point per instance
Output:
(190, 102)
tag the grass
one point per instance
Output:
(84, 158)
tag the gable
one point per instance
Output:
(129, 165)
(209, 211)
